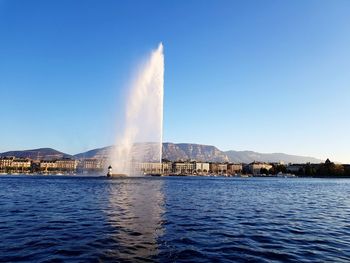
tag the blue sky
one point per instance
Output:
(269, 76)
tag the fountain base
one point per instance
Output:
(116, 175)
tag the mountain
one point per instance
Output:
(95, 153)
(189, 151)
(37, 154)
(173, 152)
(209, 153)
(150, 150)
(250, 156)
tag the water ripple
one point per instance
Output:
(72, 219)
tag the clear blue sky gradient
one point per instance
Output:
(269, 76)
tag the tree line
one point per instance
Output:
(326, 169)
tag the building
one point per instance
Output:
(66, 165)
(6, 162)
(218, 168)
(12, 164)
(21, 164)
(234, 168)
(255, 167)
(92, 164)
(150, 168)
(201, 168)
(167, 167)
(184, 168)
(48, 165)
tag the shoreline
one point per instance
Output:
(165, 176)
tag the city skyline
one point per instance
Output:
(240, 75)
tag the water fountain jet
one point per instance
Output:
(141, 139)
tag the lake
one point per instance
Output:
(174, 219)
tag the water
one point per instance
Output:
(141, 139)
(72, 219)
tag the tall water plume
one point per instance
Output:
(141, 139)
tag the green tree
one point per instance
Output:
(329, 168)
(264, 171)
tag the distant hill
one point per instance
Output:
(95, 153)
(173, 152)
(200, 152)
(37, 154)
(189, 151)
(104, 152)
(250, 156)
